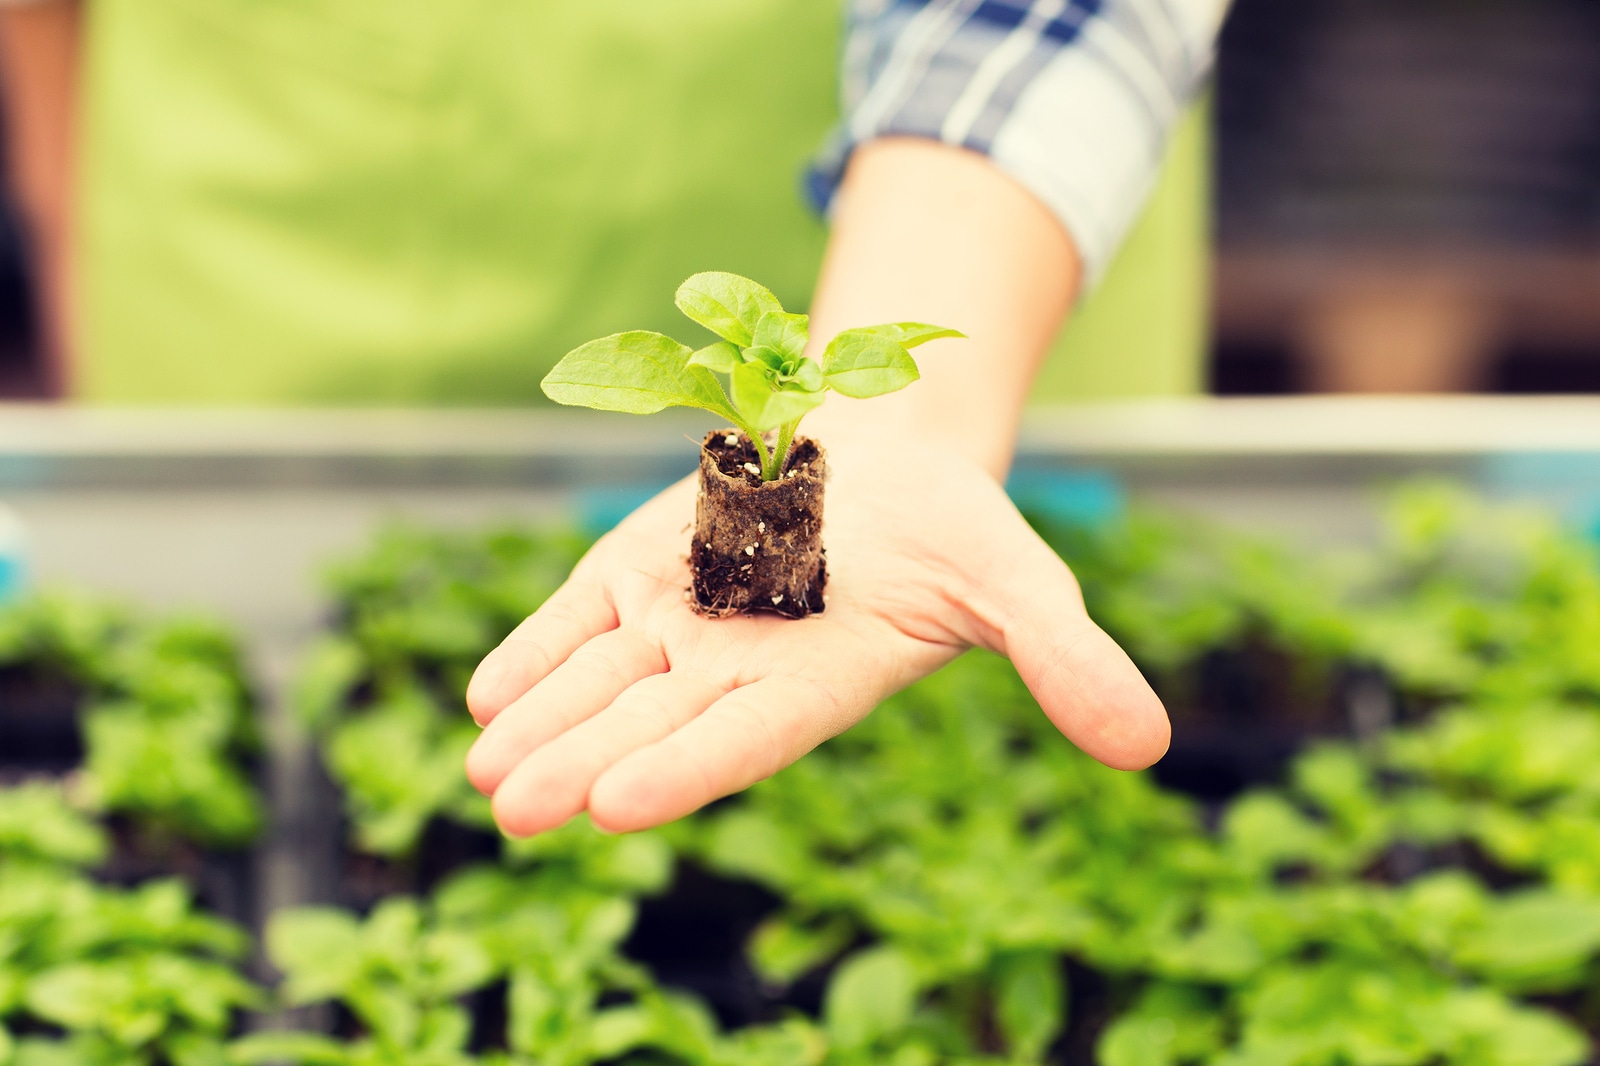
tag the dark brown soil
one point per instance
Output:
(758, 545)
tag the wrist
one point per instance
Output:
(893, 433)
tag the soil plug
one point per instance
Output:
(758, 544)
(758, 521)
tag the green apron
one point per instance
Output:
(410, 201)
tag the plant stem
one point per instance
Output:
(780, 451)
(761, 450)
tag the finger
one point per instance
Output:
(552, 784)
(1085, 683)
(747, 735)
(579, 688)
(576, 612)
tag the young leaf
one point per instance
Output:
(637, 372)
(860, 364)
(761, 355)
(728, 305)
(808, 376)
(306, 1049)
(765, 407)
(870, 996)
(783, 332)
(319, 948)
(908, 334)
(783, 950)
(721, 357)
(1028, 1002)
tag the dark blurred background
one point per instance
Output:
(1408, 196)
(22, 373)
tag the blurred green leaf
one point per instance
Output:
(1030, 1002)
(870, 997)
(781, 950)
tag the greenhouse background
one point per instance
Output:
(253, 546)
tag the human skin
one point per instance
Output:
(616, 698)
(39, 55)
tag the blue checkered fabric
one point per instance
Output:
(1072, 98)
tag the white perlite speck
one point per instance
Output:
(753, 468)
(750, 550)
(761, 527)
(776, 600)
(730, 440)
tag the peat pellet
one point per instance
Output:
(758, 545)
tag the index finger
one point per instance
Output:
(749, 734)
(577, 612)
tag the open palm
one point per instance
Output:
(617, 698)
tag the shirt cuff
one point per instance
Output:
(1074, 99)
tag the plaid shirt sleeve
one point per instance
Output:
(1072, 98)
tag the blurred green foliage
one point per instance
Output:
(166, 719)
(1426, 893)
(961, 885)
(415, 616)
(92, 975)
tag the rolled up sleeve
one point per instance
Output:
(1072, 98)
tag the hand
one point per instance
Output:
(617, 698)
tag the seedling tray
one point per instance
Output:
(235, 513)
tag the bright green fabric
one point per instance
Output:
(408, 201)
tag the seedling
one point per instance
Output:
(750, 551)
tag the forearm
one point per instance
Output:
(926, 232)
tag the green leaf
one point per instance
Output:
(320, 950)
(620, 1029)
(637, 373)
(33, 1051)
(303, 1049)
(1534, 937)
(759, 846)
(782, 950)
(907, 334)
(783, 332)
(728, 305)
(1264, 831)
(721, 357)
(192, 1049)
(808, 376)
(861, 365)
(791, 1042)
(457, 963)
(1478, 1026)
(77, 996)
(1170, 1023)
(1030, 1001)
(331, 669)
(871, 996)
(764, 406)
(761, 355)
(37, 821)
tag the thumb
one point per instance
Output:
(1083, 680)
